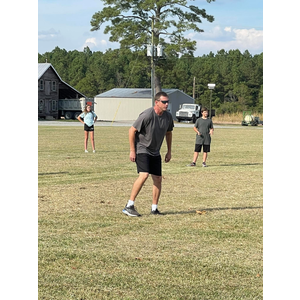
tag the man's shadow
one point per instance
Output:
(193, 211)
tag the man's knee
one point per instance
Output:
(143, 176)
(156, 178)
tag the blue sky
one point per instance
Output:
(238, 25)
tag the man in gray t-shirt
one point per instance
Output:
(151, 130)
(146, 136)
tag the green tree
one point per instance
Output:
(238, 77)
(259, 106)
(132, 22)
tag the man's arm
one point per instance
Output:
(169, 146)
(132, 132)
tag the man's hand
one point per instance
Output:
(132, 156)
(168, 157)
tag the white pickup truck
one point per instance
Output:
(190, 112)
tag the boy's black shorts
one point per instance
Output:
(206, 148)
(148, 164)
(88, 128)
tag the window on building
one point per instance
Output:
(41, 105)
(54, 105)
(53, 85)
(41, 84)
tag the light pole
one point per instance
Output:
(151, 51)
(211, 86)
(152, 61)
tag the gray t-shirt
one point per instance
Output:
(203, 126)
(151, 130)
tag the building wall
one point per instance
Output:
(120, 109)
(48, 89)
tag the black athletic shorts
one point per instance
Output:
(88, 128)
(206, 148)
(148, 164)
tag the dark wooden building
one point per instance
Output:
(51, 88)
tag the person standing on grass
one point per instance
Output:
(146, 136)
(88, 118)
(204, 129)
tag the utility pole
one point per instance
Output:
(194, 87)
(152, 61)
(211, 86)
(151, 51)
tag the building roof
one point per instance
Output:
(43, 67)
(132, 93)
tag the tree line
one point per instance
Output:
(238, 76)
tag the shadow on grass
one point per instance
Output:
(235, 165)
(53, 173)
(210, 209)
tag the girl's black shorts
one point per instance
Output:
(206, 148)
(88, 128)
(148, 164)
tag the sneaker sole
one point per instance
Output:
(129, 214)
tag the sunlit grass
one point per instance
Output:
(89, 250)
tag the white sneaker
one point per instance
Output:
(86, 151)
(94, 151)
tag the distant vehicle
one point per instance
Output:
(72, 108)
(190, 112)
(249, 119)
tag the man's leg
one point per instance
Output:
(156, 188)
(138, 184)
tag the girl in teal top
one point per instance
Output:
(88, 118)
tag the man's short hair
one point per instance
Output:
(159, 94)
(204, 109)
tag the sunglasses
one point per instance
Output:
(164, 102)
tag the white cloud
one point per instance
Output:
(96, 44)
(48, 34)
(228, 39)
(249, 37)
(90, 42)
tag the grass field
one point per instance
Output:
(88, 249)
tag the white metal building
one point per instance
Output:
(121, 104)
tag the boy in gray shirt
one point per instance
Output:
(204, 129)
(146, 136)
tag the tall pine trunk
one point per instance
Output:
(157, 84)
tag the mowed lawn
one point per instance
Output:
(208, 245)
